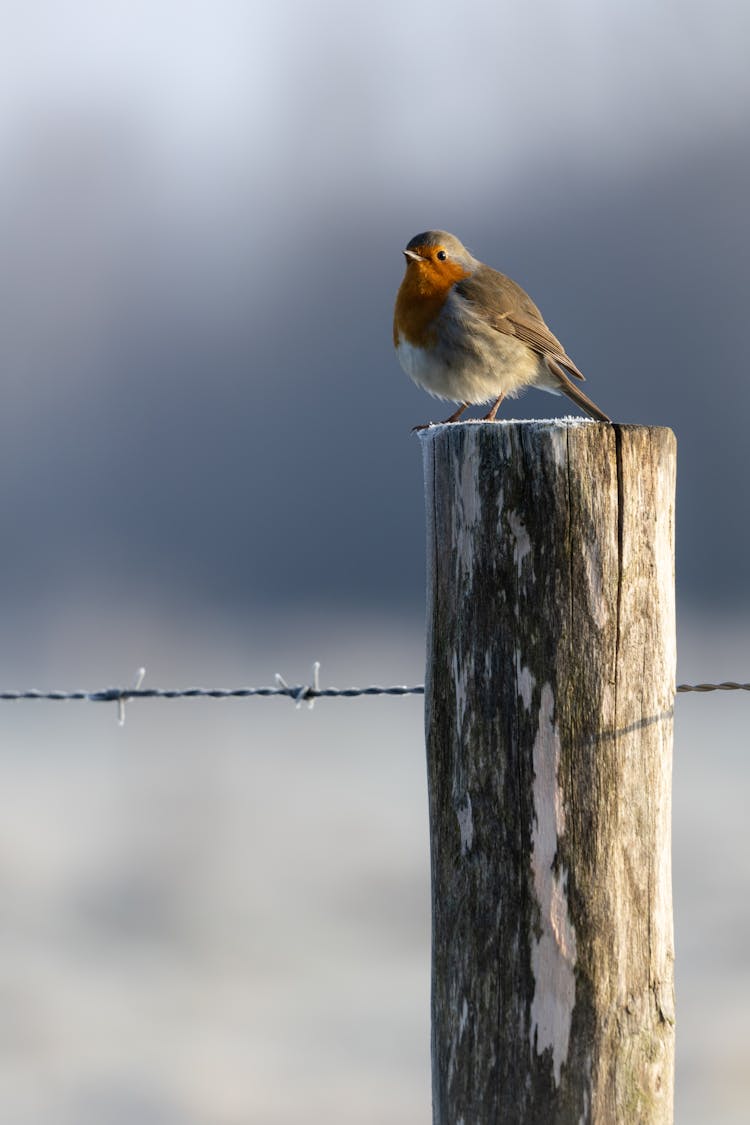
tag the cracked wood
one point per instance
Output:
(549, 696)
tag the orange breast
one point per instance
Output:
(422, 295)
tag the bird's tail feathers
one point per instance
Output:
(573, 392)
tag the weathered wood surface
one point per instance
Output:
(549, 697)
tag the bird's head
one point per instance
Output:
(437, 260)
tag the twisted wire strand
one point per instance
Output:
(297, 692)
(727, 685)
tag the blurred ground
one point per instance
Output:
(220, 912)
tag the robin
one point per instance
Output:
(469, 334)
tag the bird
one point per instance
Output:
(468, 334)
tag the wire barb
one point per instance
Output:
(315, 690)
(122, 696)
(301, 693)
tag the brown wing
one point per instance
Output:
(508, 309)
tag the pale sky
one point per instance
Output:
(392, 91)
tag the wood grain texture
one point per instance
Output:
(549, 697)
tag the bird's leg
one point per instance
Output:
(490, 415)
(453, 418)
(456, 414)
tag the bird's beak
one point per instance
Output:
(413, 256)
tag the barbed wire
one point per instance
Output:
(727, 685)
(299, 693)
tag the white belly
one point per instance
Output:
(468, 376)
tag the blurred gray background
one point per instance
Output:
(220, 912)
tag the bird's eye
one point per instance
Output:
(442, 255)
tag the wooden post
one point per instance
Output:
(549, 697)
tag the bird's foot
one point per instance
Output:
(453, 418)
